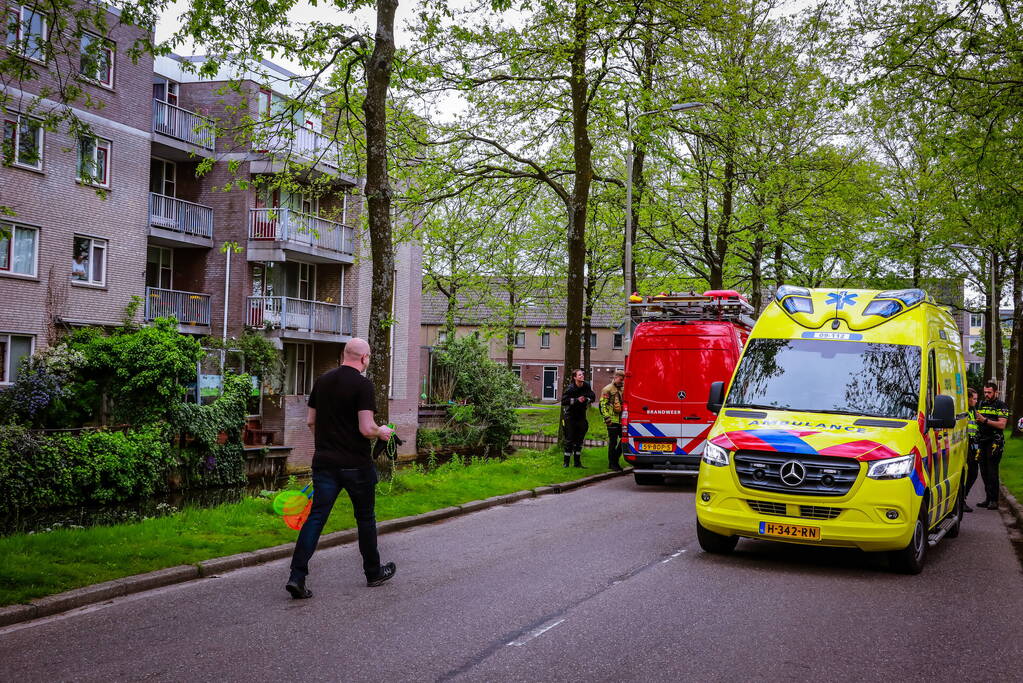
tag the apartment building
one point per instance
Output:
(222, 256)
(539, 344)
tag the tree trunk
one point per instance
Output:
(717, 261)
(378, 199)
(756, 273)
(591, 285)
(510, 322)
(1014, 390)
(779, 265)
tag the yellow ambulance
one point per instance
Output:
(845, 424)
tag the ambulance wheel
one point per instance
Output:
(715, 543)
(957, 513)
(910, 560)
(648, 479)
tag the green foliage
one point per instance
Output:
(38, 471)
(206, 461)
(257, 355)
(490, 391)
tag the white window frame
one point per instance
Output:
(94, 242)
(165, 165)
(517, 371)
(99, 144)
(17, 121)
(8, 250)
(617, 341)
(109, 48)
(33, 52)
(545, 340)
(978, 318)
(5, 361)
(520, 340)
(291, 373)
(162, 265)
(442, 336)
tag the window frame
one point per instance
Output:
(545, 340)
(6, 378)
(109, 47)
(36, 56)
(517, 371)
(17, 121)
(98, 144)
(93, 243)
(979, 318)
(617, 341)
(519, 335)
(292, 374)
(13, 228)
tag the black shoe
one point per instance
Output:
(967, 508)
(298, 590)
(982, 504)
(386, 572)
(567, 458)
(616, 468)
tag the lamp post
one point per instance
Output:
(993, 314)
(681, 106)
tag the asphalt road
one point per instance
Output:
(604, 583)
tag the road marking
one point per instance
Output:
(672, 557)
(535, 633)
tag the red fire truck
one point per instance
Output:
(680, 344)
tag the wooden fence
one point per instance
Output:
(542, 442)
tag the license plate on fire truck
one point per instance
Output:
(657, 446)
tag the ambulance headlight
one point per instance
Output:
(715, 455)
(893, 468)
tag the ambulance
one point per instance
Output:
(680, 344)
(844, 424)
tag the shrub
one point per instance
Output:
(206, 461)
(492, 391)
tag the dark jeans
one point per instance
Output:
(575, 433)
(614, 445)
(972, 468)
(327, 484)
(990, 457)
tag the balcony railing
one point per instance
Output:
(190, 308)
(287, 225)
(175, 122)
(180, 216)
(298, 314)
(299, 141)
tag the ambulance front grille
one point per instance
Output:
(822, 475)
(767, 507)
(818, 512)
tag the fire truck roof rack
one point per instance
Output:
(689, 306)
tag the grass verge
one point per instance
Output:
(545, 421)
(1011, 469)
(36, 565)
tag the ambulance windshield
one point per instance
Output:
(823, 376)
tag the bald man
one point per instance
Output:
(341, 408)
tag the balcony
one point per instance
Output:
(275, 234)
(291, 139)
(180, 133)
(290, 318)
(191, 309)
(175, 222)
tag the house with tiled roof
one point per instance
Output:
(539, 346)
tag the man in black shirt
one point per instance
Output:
(577, 397)
(992, 415)
(341, 408)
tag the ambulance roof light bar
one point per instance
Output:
(711, 305)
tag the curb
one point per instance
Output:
(1014, 507)
(102, 592)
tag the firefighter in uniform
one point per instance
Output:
(576, 399)
(992, 415)
(611, 411)
(972, 463)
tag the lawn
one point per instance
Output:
(1011, 469)
(544, 420)
(35, 565)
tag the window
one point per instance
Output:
(298, 364)
(26, 31)
(616, 340)
(517, 371)
(593, 340)
(18, 250)
(545, 340)
(23, 142)
(159, 265)
(976, 320)
(442, 336)
(520, 340)
(89, 263)
(165, 90)
(14, 349)
(163, 177)
(96, 61)
(94, 161)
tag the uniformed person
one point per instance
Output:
(992, 415)
(972, 463)
(611, 411)
(576, 399)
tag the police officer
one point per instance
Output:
(577, 397)
(972, 464)
(611, 411)
(992, 415)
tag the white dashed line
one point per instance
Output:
(672, 557)
(535, 633)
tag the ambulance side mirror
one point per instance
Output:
(716, 397)
(943, 415)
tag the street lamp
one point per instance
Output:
(993, 315)
(681, 106)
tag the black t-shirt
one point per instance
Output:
(338, 396)
(995, 409)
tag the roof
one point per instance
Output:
(537, 312)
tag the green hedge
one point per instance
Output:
(38, 471)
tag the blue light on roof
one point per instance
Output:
(885, 309)
(790, 290)
(798, 304)
(909, 297)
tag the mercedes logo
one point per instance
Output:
(793, 473)
(681, 395)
